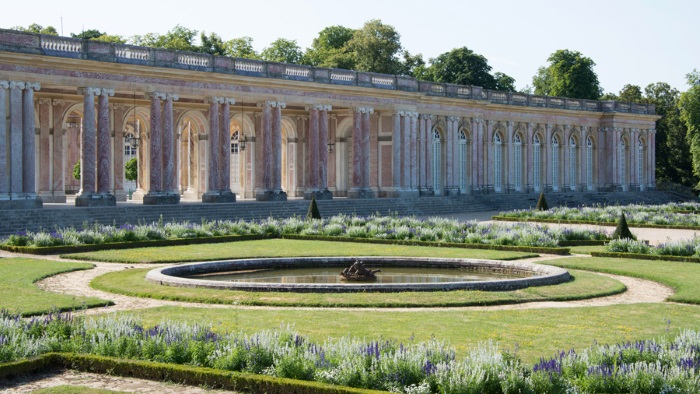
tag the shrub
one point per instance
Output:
(542, 203)
(622, 230)
(313, 210)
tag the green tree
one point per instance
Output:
(212, 44)
(88, 34)
(178, 38)
(462, 66)
(413, 66)
(283, 51)
(241, 47)
(36, 28)
(569, 74)
(689, 105)
(330, 49)
(114, 39)
(376, 47)
(131, 169)
(76, 170)
(504, 82)
(631, 94)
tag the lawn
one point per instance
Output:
(19, 293)
(585, 285)
(684, 278)
(537, 332)
(586, 249)
(282, 248)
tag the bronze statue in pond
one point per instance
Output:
(358, 273)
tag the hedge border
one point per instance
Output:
(528, 249)
(639, 256)
(584, 243)
(64, 249)
(182, 374)
(566, 221)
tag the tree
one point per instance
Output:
(413, 66)
(88, 34)
(313, 212)
(179, 38)
(131, 169)
(504, 82)
(36, 28)
(241, 47)
(622, 230)
(330, 50)
(462, 66)
(689, 105)
(76, 170)
(376, 48)
(569, 74)
(212, 44)
(110, 39)
(631, 94)
(542, 203)
(283, 51)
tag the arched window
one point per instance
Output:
(572, 163)
(462, 161)
(235, 164)
(497, 159)
(437, 162)
(589, 163)
(555, 163)
(640, 164)
(536, 163)
(623, 165)
(518, 162)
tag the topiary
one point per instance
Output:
(542, 203)
(76, 170)
(622, 230)
(313, 210)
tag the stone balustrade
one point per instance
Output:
(15, 41)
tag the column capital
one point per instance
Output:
(509, 123)
(89, 91)
(32, 85)
(424, 116)
(156, 95)
(364, 110)
(531, 125)
(107, 92)
(652, 131)
(547, 127)
(58, 102)
(172, 96)
(5, 84)
(17, 85)
(319, 107)
(229, 100)
(280, 104)
(477, 120)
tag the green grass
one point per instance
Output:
(74, 390)
(587, 249)
(19, 293)
(684, 278)
(132, 282)
(538, 332)
(282, 248)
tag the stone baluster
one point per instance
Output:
(324, 193)
(4, 164)
(104, 144)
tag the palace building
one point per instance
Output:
(213, 128)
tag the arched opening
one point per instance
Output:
(343, 157)
(497, 163)
(437, 162)
(462, 162)
(554, 165)
(289, 155)
(589, 163)
(518, 162)
(192, 155)
(572, 163)
(623, 165)
(235, 170)
(536, 163)
(73, 124)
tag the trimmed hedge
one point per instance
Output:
(566, 221)
(182, 374)
(639, 256)
(63, 249)
(584, 242)
(528, 249)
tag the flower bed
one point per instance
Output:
(680, 250)
(357, 227)
(675, 215)
(644, 366)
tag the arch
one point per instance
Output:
(462, 159)
(589, 162)
(536, 162)
(289, 155)
(72, 116)
(193, 165)
(554, 165)
(497, 162)
(437, 162)
(136, 121)
(518, 161)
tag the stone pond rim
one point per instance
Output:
(174, 275)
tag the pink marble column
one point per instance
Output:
(414, 151)
(323, 147)
(510, 167)
(366, 147)
(88, 141)
(15, 157)
(547, 146)
(564, 143)
(428, 157)
(406, 151)
(455, 153)
(104, 143)
(225, 137)
(313, 148)
(267, 155)
(156, 159)
(43, 150)
(488, 155)
(4, 167)
(357, 149)
(214, 152)
(169, 159)
(421, 152)
(529, 157)
(474, 150)
(57, 184)
(449, 145)
(277, 145)
(28, 143)
(396, 150)
(653, 157)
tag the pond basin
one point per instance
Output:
(321, 274)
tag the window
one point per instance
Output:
(462, 161)
(437, 162)
(572, 163)
(555, 163)
(497, 162)
(536, 162)
(518, 162)
(589, 163)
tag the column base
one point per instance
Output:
(407, 193)
(137, 195)
(21, 203)
(361, 193)
(426, 192)
(451, 191)
(161, 198)
(218, 196)
(190, 194)
(270, 195)
(318, 195)
(53, 198)
(95, 200)
(121, 195)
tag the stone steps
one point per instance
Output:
(51, 217)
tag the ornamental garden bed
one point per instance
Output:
(640, 256)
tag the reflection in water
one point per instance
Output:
(388, 275)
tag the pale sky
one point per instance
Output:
(637, 42)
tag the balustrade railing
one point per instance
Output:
(68, 47)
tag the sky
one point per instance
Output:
(631, 42)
